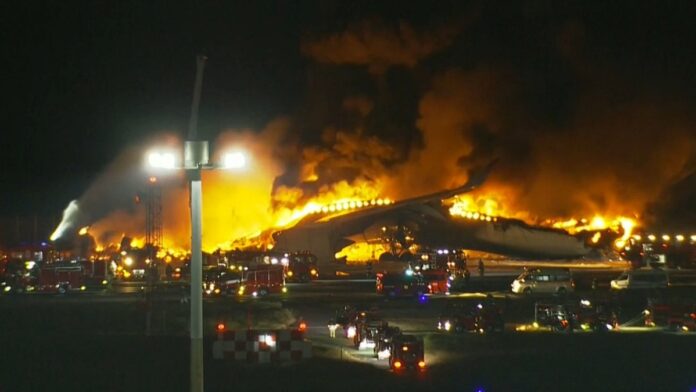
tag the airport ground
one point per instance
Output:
(102, 340)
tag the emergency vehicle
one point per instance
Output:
(366, 331)
(17, 276)
(214, 278)
(437, 280)
(568, 316)
(385, 335)
(301, 267)
(407, 353)
(406, 284)
(597, 315)
(675, 315)
(481, 317)
(258, 281)
(62, 277)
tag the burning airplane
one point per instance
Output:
(427, 221)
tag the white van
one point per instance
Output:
(544, 280)
(641, 279)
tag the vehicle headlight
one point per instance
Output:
(448, 325)
(351, 332)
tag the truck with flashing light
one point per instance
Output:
(675, 314)
(258, 281)
(436, 280)
(407, 353)
(406, 284)
(301, 267)
(62, 277)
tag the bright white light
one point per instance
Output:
(234, 160)
(268, 340)
(128, 261)
(161, 160)
(366, 345)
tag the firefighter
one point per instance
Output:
(467, 276)
(333, 325)
(481, 267)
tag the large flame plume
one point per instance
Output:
(594, 160)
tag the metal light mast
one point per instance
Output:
(153, 218)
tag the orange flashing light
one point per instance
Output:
(302, 327)
(421, 364)
(221, 327)
(397, 365)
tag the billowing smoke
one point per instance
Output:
(113, 203)
(397, 111)
(611, 146)
(378, 46)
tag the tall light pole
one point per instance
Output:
(195, 158)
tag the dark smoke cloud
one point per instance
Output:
(379, 46)
(575, 132)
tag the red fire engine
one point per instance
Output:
(62, 277)
(259, 281)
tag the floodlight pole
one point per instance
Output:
(196, 156)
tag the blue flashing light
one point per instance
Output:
(423, 299)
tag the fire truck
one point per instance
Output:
(406, 284)
(437, 280)
(258, 281)
(300, 267)
(677, 315)
(481, 317)
(564, 316)
(214, 278)
(62, 277)
(17, 276)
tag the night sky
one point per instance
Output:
(84, 80)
